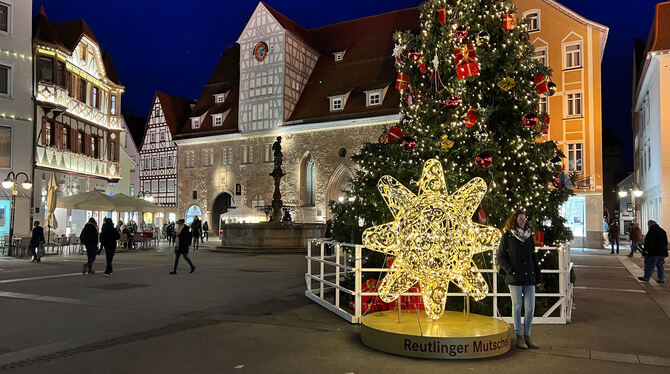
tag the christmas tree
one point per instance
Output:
(470, 92)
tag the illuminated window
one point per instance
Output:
(574, 104)
(4, 18)
(540, 55)
(533, 19)
(575, 155)
(45, 69)
(543, 106)
(112, 109)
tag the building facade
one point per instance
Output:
(79, 130)
(651, 118)
(573, 47)
(16, 108)
(158, 154)
(328, 90)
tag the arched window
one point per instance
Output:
(308, 180)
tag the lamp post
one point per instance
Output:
(10, 182)
(634, 192)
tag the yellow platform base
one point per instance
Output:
(453, 336)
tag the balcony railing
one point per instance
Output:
(54, 94)
(65, 160)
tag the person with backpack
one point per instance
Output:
(108, 237)
(182, 242)
(89, 238)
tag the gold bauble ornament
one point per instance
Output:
(433, 238)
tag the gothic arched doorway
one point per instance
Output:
(339, 181)
(221, 205)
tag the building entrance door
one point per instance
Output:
(221, 205)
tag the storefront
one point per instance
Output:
(574, 211)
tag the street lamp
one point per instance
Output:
(10, 182)
(635, 192)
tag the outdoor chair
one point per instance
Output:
(123, 241)
(62, 243)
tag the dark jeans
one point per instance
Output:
(90, 253)
(612, 241)
(196, 239)
(205, 234)
(33, 251)
(634, 246)
(109, 254)
(176, 260)
(654, 261)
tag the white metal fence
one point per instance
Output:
(332, 261)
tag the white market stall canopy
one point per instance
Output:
(244, 214)
(94, 200)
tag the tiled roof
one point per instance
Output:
(290, 25)
(71, 32)
(224, 79)
(660, 33)
(175, 109)
(110, 70)
(367, 65)
(44, 31)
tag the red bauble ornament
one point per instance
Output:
(471, 117)
(546, 119)
(409, 143)
(461, 32)
(483, 159)
(481, 216)
(529, 120)
(453, 101)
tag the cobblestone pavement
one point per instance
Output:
(242, 313)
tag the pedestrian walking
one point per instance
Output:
(635, 237)
(108, 237)
(517, 259)
(196, 232)
(654, 252)
(182, 242)
(169, 233)
(89, 238)
(205, 231)
(36, 240)
(614, 236)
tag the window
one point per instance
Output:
(154, 186)
(339, 56)
(132, 189)
(162, 135)
(153, 137)
(574, 102)
(82, 90)
(258, 203)
(573, 56)
(45, 68)
(162, 162)
(49, 134)
(66, 138)
(543, 106)
(268, 155)
(81, 143)
(5, 147)
(170, 185)
(162, 186)
(147, 187)
(94, 97)
(217, 119)
(5, 79)
(540, 55)
(309, 181)
(154, 162)
(84, 52)
(169, 161)
(373, 97)
(190, 159)
(61, 76)
(575, 157)
(230, 156)
(336, 103)
(112, 108)
(219, 98)
(247, 155)
(207, 157)
(4, 18)
(147, 163)
(533, 19)
(195, 123)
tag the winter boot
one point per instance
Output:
(521, 343)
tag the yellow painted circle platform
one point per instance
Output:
(451, 337)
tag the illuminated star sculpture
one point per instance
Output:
(433, 238)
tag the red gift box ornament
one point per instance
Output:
(394, 135)
(542, 84)
(442, 15)
(471, 117)
(466, 61)
(401, 81)
(509, 22)
(539, 238)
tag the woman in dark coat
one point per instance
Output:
(517, 259)
(108, 237)
(182, 241)
(89, 238)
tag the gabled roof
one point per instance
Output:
(224, 79)
(110, 70)
(367, 65)
(135, 126)
(71, 32)
(175, 109)
(290, 25)
(45, 32)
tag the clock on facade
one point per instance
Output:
(261, 51)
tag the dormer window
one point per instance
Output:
(219, 98)
(339, 56)
(336, 103)
(217, 119)
(195, 123)
(375, 97)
